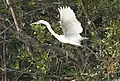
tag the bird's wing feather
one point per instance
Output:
(69, 22)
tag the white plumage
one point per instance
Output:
(70, 25)
(69, 22)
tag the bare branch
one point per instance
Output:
(13, 15)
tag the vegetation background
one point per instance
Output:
(31, 53)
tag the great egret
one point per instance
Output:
(70, 25)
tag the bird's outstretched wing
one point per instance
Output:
(70, 25)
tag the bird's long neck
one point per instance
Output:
(50, 29)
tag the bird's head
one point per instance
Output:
(39, 22)
(34, 23)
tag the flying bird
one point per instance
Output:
(71, 27)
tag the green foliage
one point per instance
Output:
(35, 55)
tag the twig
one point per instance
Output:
(22, 72)
(93, 53)
(4, 30)
(5, 41)
(11, 24)
(4, 72)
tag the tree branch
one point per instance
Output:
(13, 15)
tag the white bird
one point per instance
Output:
(70, 25)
